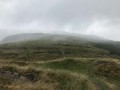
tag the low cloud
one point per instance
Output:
(92, 17)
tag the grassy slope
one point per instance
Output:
(61, 74)
(86, 69)
(46, 49)
(43, 56)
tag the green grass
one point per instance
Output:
(48, 50)
(53, 65)
(71, 65)
(86, 67)
(61, 74)
(44, 78)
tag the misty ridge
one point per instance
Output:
(41, 40)
(56, 37)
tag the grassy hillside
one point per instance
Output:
(49, 49)
(61, 74)
(112, 47)
(60, 63)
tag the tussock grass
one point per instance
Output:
(59, 65)
(44, 79)
(59, 74)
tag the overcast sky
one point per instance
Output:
(92, 17)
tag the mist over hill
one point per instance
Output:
(36, 36)
(35, 40)
(57, 61)
(59, 45)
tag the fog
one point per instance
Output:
(89, 17)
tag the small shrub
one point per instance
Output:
(7, 69)
(31, 74)
(106, 68)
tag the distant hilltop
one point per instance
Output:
(36, 36)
